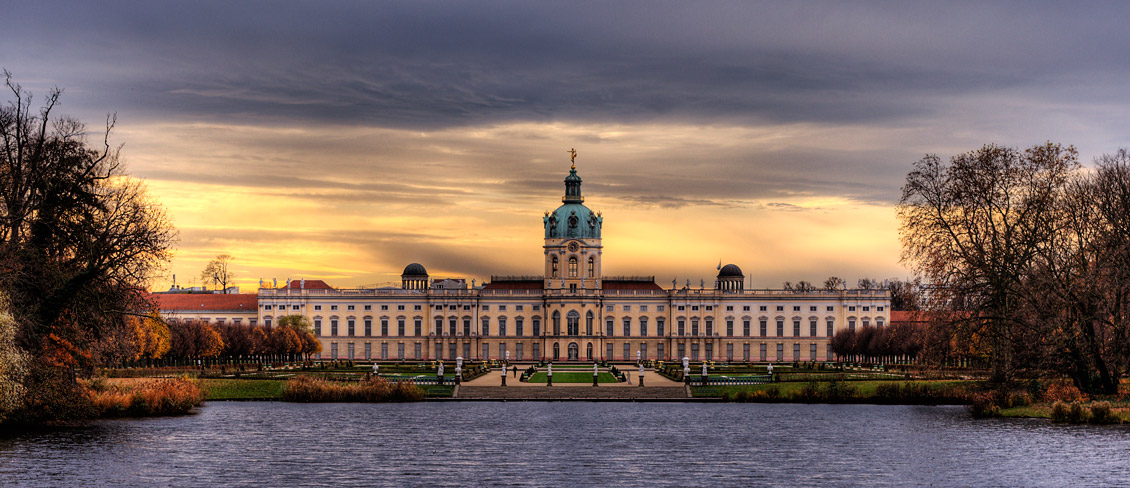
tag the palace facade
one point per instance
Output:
(572, 312)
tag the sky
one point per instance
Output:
(343, 140)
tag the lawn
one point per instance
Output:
(570, 377)
(232, 389)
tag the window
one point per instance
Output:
(400, 307)
(745, 327)
(537, 330)
(745, 308)
(417, 350)
(333, 307)
(333, 350)
(763, 358)
(796, 352)
(660, 308)
(796, 327)
(553, 268)
(573, 323)
(643, 350)
(349, 327)
(537, 351)
(829, 356)
(502, 350)
(879, 309)
(627, 351)
(780, 308)
(536, 307)
(681, 327)
(384, 307)
(682, 351)
(266, 321)
(831, 330)
(267, 307)
(627, 326)
(694, 352)
(780, 352)
(349, 307)
(659, 326)
(467, 330)
(418, 325)
(486, 351)
(588, 322)
(519, 328)
(812, 327)
(333, 327)
(780, 328)
(710, 327)
(609, 350)
(486, 308)
(682, 307)
(796, 308)
(694, 308)
(627, 308)
(400, 351)
(368, 307)
(384, 350)
(439, 326)
(745, 352)
(866, 309)
(518, 351)
(502, 326)
(592, 266)
(556, 323)
(400, 327)
(659, 350)
(368, 350)
(730, 327)
(384, 327)
(295, 307)
(694, 326)
(709, 308)
(812, 308)
(318, 327)
(812, 352)
(502, 308)
(609, 325)
(643, 308)
(519, 308)
(317, 307)
(485, 329)
(851, 324)
(709, 351)
(764, 328)
(349, 347)
(729, 308)
(417, 307)
(643, 326)
(610, 308)
(831, 308)
(851, 308)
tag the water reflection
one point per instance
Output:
(558, 444)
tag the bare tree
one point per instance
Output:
(974, 228)
(218, 272)
(834, 283)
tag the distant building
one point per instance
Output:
(571, 312)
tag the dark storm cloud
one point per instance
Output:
(441, 64)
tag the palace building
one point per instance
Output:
(572, 312)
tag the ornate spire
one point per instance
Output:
(572, 182)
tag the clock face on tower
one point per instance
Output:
(573, 246)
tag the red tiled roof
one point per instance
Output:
(514, 285)
(167, 302)
(309, 285)
(630, 285)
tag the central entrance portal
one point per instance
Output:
(574, 352)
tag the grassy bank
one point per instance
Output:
(144, 397)
(886, 392)
(376, 390)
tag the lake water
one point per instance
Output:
(568, 444)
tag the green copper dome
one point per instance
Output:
(572, 219)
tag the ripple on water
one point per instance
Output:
(568, 444)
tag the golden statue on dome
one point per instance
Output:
(572, 158)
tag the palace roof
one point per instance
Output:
(167, 302)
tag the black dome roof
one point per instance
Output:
(731, 271)
(415, 269)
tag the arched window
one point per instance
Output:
(572, 266)
(592, 266)
(556, 323)
(573, 323)
(588, 328)
(556, 351)
(553, 270)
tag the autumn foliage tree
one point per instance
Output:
(79, 242)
